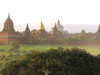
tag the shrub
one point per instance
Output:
(55, 62)
(14, 46)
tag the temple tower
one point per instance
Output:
(55, 33)
(41, 32)
(8, 25)
(27, 32)
(8, 33)
(59, 26)
(98, 31)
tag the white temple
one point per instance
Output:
(59, 26)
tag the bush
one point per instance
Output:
(55, 62)
(14, 46)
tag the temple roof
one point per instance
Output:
(98, 31)
(27, 32)
(27, 28)
(41, 26)
(8, 25)
(59, 26)
(58, 21)
(55, 27)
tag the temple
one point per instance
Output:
(41, 32)
(8, 34)
(55, 33)
(27, 33)
(98, 31)
(59, 26)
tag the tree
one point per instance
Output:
(14, 46)
(55, 62)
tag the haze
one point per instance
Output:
(32, 11)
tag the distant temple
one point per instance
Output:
(41, 32)
(55, 33)
(27, 33)
(59, 26)
(98, 31)
(8, 34)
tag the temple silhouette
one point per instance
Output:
(8, 34)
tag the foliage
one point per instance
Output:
(59, 61)
(81, 38)
(14, 46)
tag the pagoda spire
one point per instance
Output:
(8, 14)
(41, 26)
(27, 24)
(8, 25)
(41, 22)
(58, 21)
(27, 28)
(98, 31)
(27, 32)
(55, 26)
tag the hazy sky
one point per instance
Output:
(68, 11)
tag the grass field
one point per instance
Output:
(94, 50)
(7, 56)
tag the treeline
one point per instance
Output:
(81, 38)
(55, 62)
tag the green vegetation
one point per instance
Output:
(14, 46)
(94, 50)
(7, 55)
(81, 38)
(60, 61)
